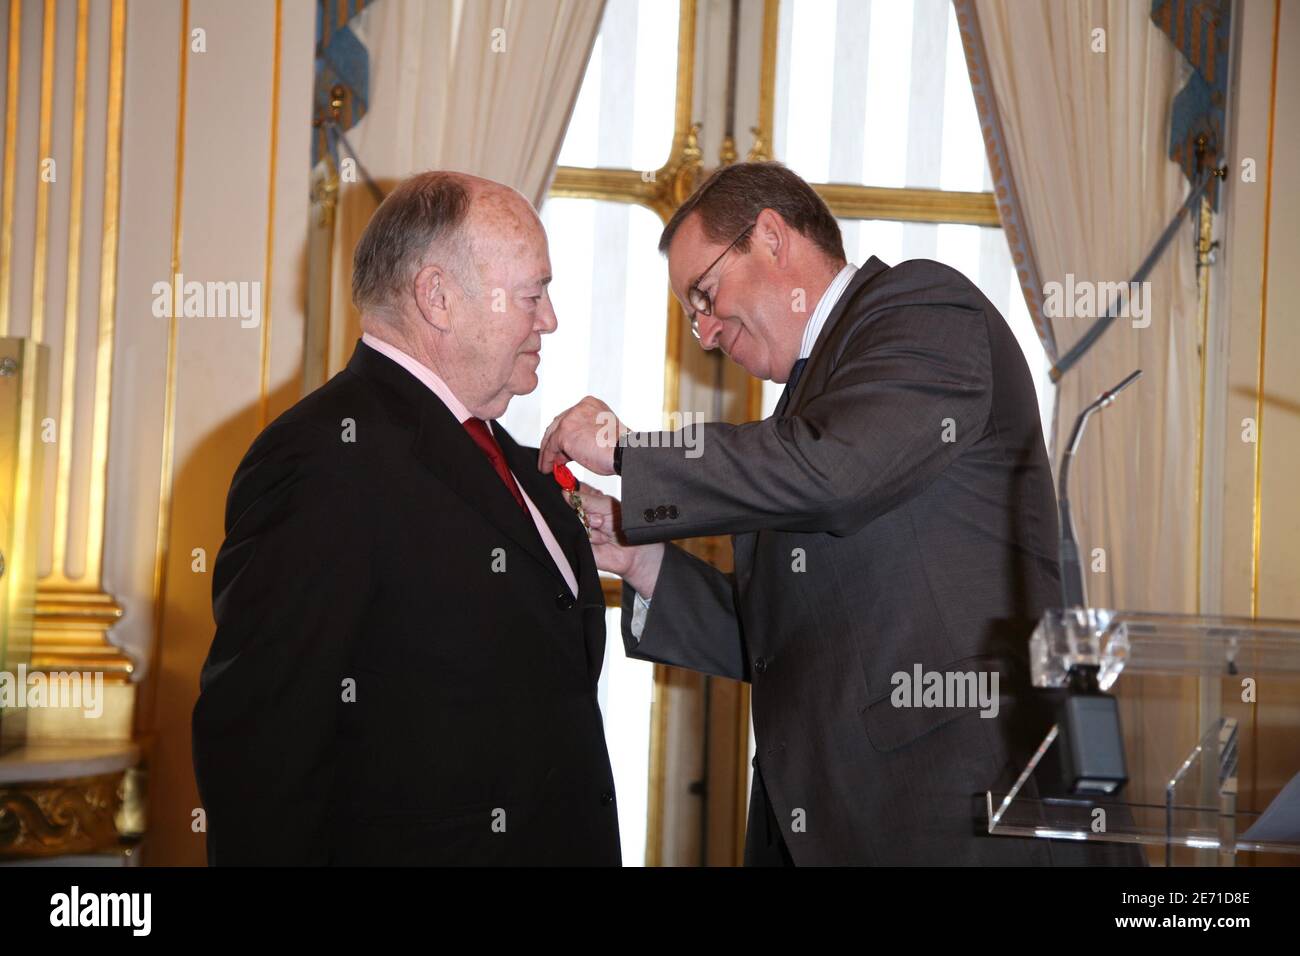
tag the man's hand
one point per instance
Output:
(587, 433)
(638, 565)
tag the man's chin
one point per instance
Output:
(522, 384)
(761, 372)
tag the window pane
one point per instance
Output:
(626, 692)
(876, 92)
(624, 114)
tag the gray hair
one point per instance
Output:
(419, 220)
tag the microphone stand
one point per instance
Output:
(1073, 593)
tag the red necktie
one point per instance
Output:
(478, 431)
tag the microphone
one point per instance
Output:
(1073, 593)
(1092, 746)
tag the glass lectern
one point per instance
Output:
(1207, 710)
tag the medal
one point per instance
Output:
(569, 485)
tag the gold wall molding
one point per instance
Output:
(910, 205)
(10, 159)
(73, 612)
(1257, 528)
(51, 818)
(761, 150)
(74, 615)
(167, 458)
(68, 394)
(48, 26)
(71, 625)
(264, 386)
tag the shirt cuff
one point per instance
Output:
(640, 608)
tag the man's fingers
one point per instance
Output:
(552, 451)
(544, 451)
(595, 501)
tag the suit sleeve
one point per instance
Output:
(909, 393)
(290, 588)
(692, 621)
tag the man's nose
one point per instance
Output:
(547, 321)
(710, 331)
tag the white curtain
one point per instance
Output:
(479, 86)
(1087, 137)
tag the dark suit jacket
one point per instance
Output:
(375, 564)
(908, 478)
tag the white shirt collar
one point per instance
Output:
(825, 306)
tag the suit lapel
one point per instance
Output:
(572, 537)
(546, 495)
(861, 279)
(743, 545)
(444, 447)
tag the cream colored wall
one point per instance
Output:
(227, 381)
(1251, 553)
(221, 198)
(1262, 246)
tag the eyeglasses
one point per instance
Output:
(701, 302)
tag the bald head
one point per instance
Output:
(453, 269)
(430, 217)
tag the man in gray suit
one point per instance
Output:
(894, 519)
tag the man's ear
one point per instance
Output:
(772, 234)
(431, 297)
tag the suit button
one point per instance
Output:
(661, 512)
(760, 665)
(607, 797)
(672, 511)
(753, 762)
(649, 514)
(564, 600)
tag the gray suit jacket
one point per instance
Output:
(899, 512)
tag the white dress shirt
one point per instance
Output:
(825, 306)
(457, 408)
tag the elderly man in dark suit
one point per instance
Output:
(410, 625)
(895, 516)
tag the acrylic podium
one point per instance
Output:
(1208, 708)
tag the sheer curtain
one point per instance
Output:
(1084, 91)
(480, 86)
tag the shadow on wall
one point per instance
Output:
(199, 490)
